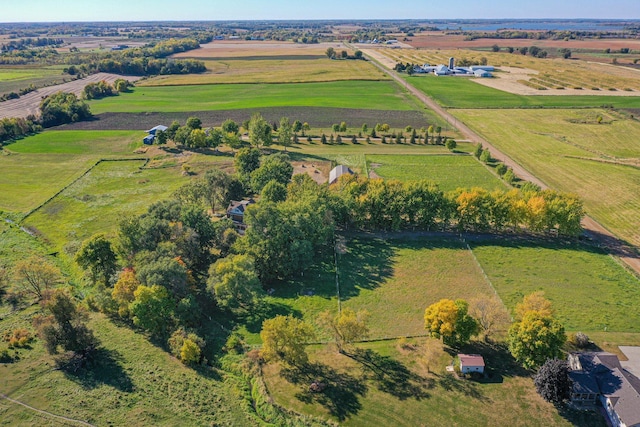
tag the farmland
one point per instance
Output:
(570, 151)
(344, 94)
(12, 79)
(448, 171)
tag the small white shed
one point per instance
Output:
(471, 363)
(337, 172)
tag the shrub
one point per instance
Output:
(501, 169)
(235, 344)
(5, 357)
(580, 340)
(451, 144)
(478, 151)
(186, 346)
(19, 338)
(509, 176)
(485, 157)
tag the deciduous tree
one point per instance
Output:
(35, 275)
(98, 257)
(234, 283)
(284, 339)
(450, 321)
(346, 327)
(536, 338)
(152, 309)
(552, 381)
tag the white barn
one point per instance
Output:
(471, 363)
(337, 172)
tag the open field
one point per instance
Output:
(30, 103)
(273, 71)
(384, 384)
(569, 151)
(317, 117)
(98, 200)
(441, 40)
(525, 74)
(458, 92)
(448, 171)
(396, 280)
(98, 143)
(589, 290)
(252, 49)
(345, 94)
(132, 382)
(14, 78)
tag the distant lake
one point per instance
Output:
(558, 25)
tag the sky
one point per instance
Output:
(163, 10)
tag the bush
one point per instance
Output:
(485, 157)
(19, 338)
(235, 344)
(580, 340)
(451, 144)
(5, 357)
(501, 169)
(186, 346)
(509, 176)
(478, 151)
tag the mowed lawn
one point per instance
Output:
(588, 289)
(459, 92)
(572, 156)
(382, 95)
(97, 201)
(39, 166)
(288, 70)
(448, 171)
(396, 280)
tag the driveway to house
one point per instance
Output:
(633, 364)
(593, 229)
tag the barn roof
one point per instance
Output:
(471, 360)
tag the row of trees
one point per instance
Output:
(375, 204)
(14, 128)
(102, 89)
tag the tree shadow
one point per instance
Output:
(365, 264)
(104, 367)
(341, 392)
(391, 376)
(267, 310)
(499, 363)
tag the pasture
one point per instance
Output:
(97, 201)
(276, 70)
(14, 78)
(589, 290)
(448, 171)
(462, 92)
(344, 94)
(569, 151)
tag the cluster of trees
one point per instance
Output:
(28, 43)
(18, 94)
(61, 108)
(144, 66)
(14, 128)
(332, 54)
(541, 35)
(102, 89)
(375, 204)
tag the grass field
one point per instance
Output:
(345, 94)
(98, 200)
(465, 93)
(588, 289)
(98, 143)
(132, 382)
(569, 152)
(396, 280)
(12, 79)
(448, 171)
(388, 385)
(289, 70)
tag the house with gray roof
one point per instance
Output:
(598, 376)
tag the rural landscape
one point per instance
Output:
(320, 223)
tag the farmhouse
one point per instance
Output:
(337, 172)
(598, 376)
(471, 363)
(235, 212)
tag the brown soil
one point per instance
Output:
(239, 49)
(318, 171)
(317, 117)
(29, 103)
(440, 40)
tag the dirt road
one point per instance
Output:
(29, 103)
(593, 229)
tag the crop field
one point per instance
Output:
(345, 94)
(459, 92)
(559, 73)
(288, 70)
(12, 79)
(98, 200)
(588, 289)
(448, 171)
(570, 151)
(251, 49)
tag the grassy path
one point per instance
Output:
(594, 229)
(48, 414)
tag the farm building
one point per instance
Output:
(153, 130)
(442, 70)
(148, 140)
(471, 363)
(235, 212)
(482, 73)
(599, 376)
(337, 172)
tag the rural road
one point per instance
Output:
(593, 229)
(30, 103)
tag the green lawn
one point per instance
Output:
(464, 93)
(588, 289)
(448, 171)
(98, 200)
(568, 151)
(377, 95)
